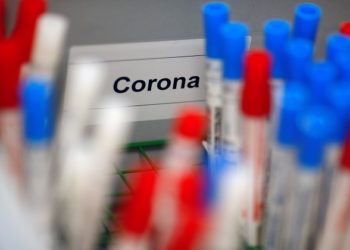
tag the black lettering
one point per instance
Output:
(115, 87)
(150, 82)
(182, 79)
(142, 84)
(168, 83)
(194, 82)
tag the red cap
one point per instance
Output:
(2, 20)
(345, 28)
(256, 91)
(28, 13)
(10, 66)
(191, 123)
(345, 157)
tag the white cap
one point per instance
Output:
(113, 127)
(49, 40)
(83, 87)
(85, 82)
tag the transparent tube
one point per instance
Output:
(231, 122)
(338, 213)
(279, 186)
(278, 89)
(255, 153)
(214, 102)
(39, 190)
(346, 242)
(304, 204)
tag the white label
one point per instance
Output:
(155, 77)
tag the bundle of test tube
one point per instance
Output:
(276, 165)
(282, 117)
(276, 155)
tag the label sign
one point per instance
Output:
(155, 77)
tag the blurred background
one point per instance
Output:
(122, 21)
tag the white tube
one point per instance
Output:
(40, 195)
(73, 200)
(16, 228)
(38, 116)
(226, 231)
(84, 81)
(88, 174)
(49, 41)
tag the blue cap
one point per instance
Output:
(299, 53)
(319, 76)
(37, 99)
(277, 33)
(316, 125)
(306, 20)
(342, 61)
(337, 44)
(234, 39)
(214, 14)
(338, 99)
(295, 98)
